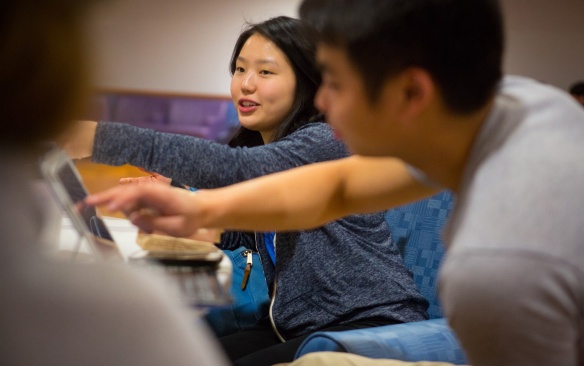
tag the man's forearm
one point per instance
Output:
(310, 196)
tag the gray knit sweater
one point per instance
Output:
(345, 271)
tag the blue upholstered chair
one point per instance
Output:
(416, 229)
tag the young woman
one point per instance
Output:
(345, 275)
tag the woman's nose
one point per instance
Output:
(248, 83)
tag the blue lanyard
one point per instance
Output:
(268, 238)
(269, 241)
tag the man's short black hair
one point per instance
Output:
(459, 42)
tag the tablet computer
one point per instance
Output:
(69, 191)
(66, 183)
(194, 271)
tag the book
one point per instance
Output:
(165, 243)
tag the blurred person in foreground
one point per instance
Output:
(55, 312)
(421, 81)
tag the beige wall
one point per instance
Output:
(184, 45)
(174, 45)
(545, 39)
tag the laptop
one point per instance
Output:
(194, 270)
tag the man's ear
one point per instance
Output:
(418, 91)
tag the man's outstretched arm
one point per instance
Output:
(300, 198)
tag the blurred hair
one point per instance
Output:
(293, 39)
(577, 88)
(459, 42)
(43, 79)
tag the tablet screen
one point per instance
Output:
(66, 183)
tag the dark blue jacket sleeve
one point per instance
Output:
(206, 164)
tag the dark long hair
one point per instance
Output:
(292, 38)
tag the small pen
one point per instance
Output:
(247, 269)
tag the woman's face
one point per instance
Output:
(262, 86)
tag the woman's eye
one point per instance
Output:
(239, 69)
(265, 72)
